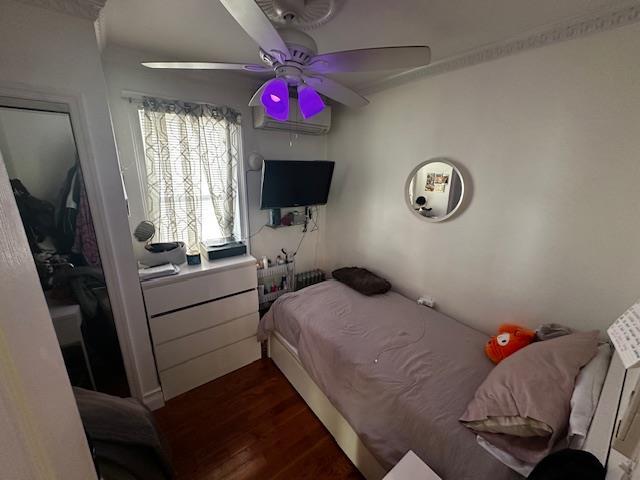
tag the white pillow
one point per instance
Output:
(586, 394)
(520, 466)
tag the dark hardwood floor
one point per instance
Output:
(250, 424)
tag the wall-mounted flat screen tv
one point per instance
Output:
(291, 183)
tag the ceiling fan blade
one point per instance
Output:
(336, 91)
(253, 20)
(247, 67)
(370, 59)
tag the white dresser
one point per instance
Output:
(203, 322)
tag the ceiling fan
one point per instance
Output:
(292, 56)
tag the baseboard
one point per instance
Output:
(154, 399)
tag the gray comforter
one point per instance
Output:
(401, 374)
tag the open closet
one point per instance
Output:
(40, 154)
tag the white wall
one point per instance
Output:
(124, 73)
(38, 149)
(53, 55)
(549, 139)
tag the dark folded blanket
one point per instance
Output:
(124, 432)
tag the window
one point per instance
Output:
(191, 157)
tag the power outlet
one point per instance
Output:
(426, 301)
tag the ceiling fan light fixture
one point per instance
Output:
(309, 101)
(292, 56)
(275, 99)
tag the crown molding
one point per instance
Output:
(89, 9)
(100, 26)
(559, 32)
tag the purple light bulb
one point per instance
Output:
(275, 99)
(309, 101)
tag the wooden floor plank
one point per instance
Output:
(250, 424)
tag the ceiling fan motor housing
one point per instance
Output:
(301, 46)
(291, 73)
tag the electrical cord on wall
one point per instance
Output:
(311, 218)
(314, 218)
(251, 235)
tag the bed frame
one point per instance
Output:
(288, 363)
(598, 440)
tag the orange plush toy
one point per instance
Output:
(510, 339)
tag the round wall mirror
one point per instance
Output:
(434, 190)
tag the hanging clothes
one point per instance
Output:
(85, 242)
(37, 215)
(68, 210)
(75, 224)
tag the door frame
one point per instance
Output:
(64, 102)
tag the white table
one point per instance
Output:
(67, 322)
(410, 467)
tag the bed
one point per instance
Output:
(400, 374)
(386, 375)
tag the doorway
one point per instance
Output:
(41, 157)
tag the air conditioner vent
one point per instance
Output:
(319, 124)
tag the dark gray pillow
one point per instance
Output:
(361, 280)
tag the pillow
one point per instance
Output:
(514, 425)
(361, 280)
(523, 468)
(583, 405)
(534, 383)
(586, 395)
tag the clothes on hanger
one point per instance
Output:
(37, 215)
(75, 223)
(85, 242)
(68, 209)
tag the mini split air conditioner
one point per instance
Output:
(317, 125)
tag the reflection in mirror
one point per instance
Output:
(435, 190)
(39, 152)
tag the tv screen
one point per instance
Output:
(289, 183)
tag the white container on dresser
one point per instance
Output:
(203, 322)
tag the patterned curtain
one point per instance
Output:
(191, 159)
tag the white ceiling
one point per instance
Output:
(202, 30)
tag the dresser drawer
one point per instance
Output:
(178, 351)
(189, 291)
(198, 371)
(190, 320)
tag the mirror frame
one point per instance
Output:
(26, 97)
(415, 171)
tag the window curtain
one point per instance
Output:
(191, 159)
